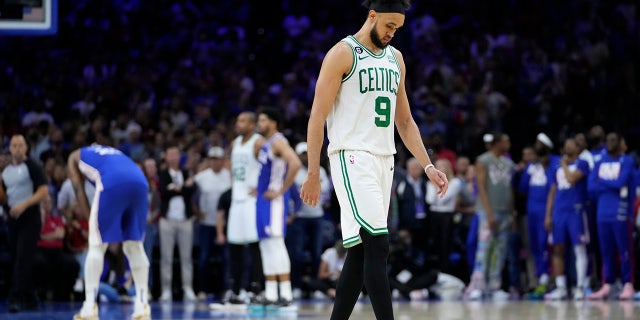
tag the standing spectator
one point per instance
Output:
(612, 183)
(440, 217)
(306, 225)
(494, 174)
(212, 180)
(23, 187)
(412, 209)
(176, 224)
(279, 168)
(534, 183)
(150, 169)
(565, 214)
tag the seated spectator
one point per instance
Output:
(57, 268)
(116, 283)
(331, 263)
(77, 241)
(417, 282)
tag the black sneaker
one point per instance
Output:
(14, 306)
(235, 300)
(287, 306)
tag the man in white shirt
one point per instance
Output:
(212, 180)
(176, 224)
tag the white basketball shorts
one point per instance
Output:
(241, 227)
(362, 182)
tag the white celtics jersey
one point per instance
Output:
(245, 168)
(362, 117)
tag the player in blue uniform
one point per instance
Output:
(612, 183)
(565, 215)
(535, 184)
(118, 214)
(280, 164)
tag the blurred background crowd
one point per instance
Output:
(145, 75)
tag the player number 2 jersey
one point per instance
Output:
(362, 117)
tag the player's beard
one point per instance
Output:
(375, 38)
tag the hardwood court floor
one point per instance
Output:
(519, 310)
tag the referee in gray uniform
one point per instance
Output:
(23, 187)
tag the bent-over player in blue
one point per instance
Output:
(117, 213)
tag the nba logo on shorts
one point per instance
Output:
(352, 159)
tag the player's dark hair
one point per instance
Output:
(272, 113)
(406, 4)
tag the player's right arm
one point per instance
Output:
(336, 64)
(548, 218)
(481, 176)
(77, 180)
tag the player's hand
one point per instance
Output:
(221, 239)
(253, 192)
(271, 194)
(17, 210)
(548, 223)
(438, 178)
(310, 191)
(493, 223)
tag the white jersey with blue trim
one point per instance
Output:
(363, 113)
(273, 169)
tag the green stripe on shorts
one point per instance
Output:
(352, 200)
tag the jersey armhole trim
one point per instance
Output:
(353, 63)
(395, 59)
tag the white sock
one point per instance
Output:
(93, 266)
(581, 265)
(561, 282)
(140, 280)
(544, 279)
(139, 269)
(285, 290)
(271, 290)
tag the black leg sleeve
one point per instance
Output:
(376, 251)
(349, 284)
(236, 254)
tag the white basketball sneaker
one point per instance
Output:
(89, 311)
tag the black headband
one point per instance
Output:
(380, 6)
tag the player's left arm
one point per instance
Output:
(410, 135)
(624, 177)
(282, 149)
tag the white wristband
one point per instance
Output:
(430, 165)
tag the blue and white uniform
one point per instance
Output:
(120, 204)
(612, 181)
(569, 205)
(535, 184)
(271, 214)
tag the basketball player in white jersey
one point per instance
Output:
(360, 93)
(241, 227)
